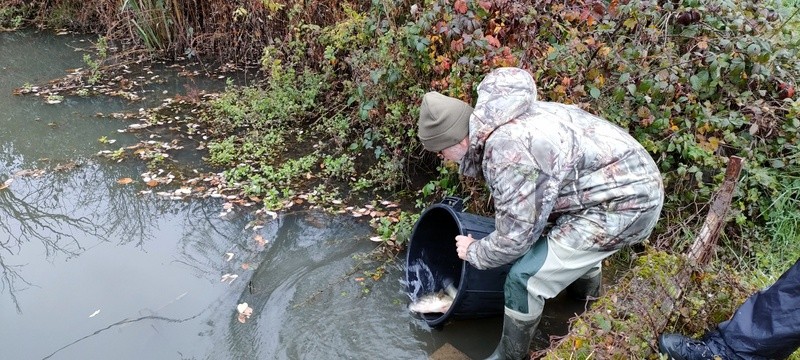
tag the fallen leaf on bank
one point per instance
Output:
(152, 183)
(376, 239)
(124, 181)
(95, 313)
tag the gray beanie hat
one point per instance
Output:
(443, 121)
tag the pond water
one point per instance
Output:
(90, 268)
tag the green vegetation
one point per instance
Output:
(94, 64)
(696, 82)
(622, 324)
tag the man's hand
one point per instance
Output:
(462, 244)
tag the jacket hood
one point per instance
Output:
(503, 95)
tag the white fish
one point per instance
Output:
(438, 302)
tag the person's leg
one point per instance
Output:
(767, 324)
(544, 271)
(587, 286)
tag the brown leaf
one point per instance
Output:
(124, 181)
(245, 266)
(152, 183)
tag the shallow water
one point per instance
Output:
(90, 268)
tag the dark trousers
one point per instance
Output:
(767, 324)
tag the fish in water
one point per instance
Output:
(438, 302)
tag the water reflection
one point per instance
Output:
(92, 268)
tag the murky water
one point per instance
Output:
(90, 268)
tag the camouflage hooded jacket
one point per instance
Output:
(541, 159)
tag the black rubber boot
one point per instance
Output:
(679, 347)
(516, 340)
(586, 288)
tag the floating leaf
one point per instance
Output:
(95, 313)
(242, 307)
(229, 278)
(376, 239)
(124, 181)
(229, 256)
(260, 240)
(245, 311)
(6, 184)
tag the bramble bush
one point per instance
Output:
(694, 81)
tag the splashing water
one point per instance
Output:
(419, 280)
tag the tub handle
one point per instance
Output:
(456, 203)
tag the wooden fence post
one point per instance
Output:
(703, 247)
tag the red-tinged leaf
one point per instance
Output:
(460, 6)
(260, 240)
(486, 5)
(245, 266)
(493, 41)
(124, 181)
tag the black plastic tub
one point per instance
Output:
(433, 246)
